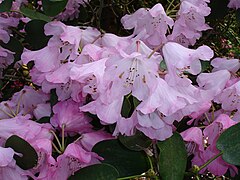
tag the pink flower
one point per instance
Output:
(232, 65)
(150, 25)
(234, 4)
(186, 59)
(203, 145)
(190, 21)
(73, 159)
(67, 114)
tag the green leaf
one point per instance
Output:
(33, 14)
(45, 119)
(53, 97)
(205, 65)
(96, 172)
(126, 107)
(35, 34)
(136, 102)
(163, 65)
(6, 6)
(29, 156)
(172, 158)
(229, 144)
(53, 8)
(137, 142)
(126, 162)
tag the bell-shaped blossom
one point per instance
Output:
(214, 82)
(73, 159)
(183, 59)
(190, 22)
(71, 10)
(154, 126)
(202, 144)
(28, 100)
(68, 116)
(90, 75)
(131, 71)
(232, 65)
(234, 4)
(230, 97)
(5, 23)
(150, 25)
(165, 99)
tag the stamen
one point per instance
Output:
(19, 100)
(13, 113)
(7, 113)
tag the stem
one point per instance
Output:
(13, 113)
(209, 161)
(154, 50)
(80, 137)
(63, 143)
(55, 147)
(131, 177)
(171, 3)
(59, 144)
(7, 113)
(207, 118)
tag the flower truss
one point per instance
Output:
(93, 74)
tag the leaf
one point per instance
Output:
(53, 97)
(136, 102)
(137, 142)
(172, 158)
(29, 156)
(45, 119)
(229, 144)
(33, 14)
(125, 161)
(163, 65)
(53, 8)
(205, 65)
(6, 6)
(96, 172)
(35, 34)
(126, 107)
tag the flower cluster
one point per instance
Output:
(95, 73)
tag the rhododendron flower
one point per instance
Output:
(234, 4)
(150, 25)
(5, 23)
(71, 10)
(232, 65)
(68, 116)
(132, 71)
(230, 97)
(73, 159)
(190, 21)
(179, 58)
(213, 82)
(204, 149)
